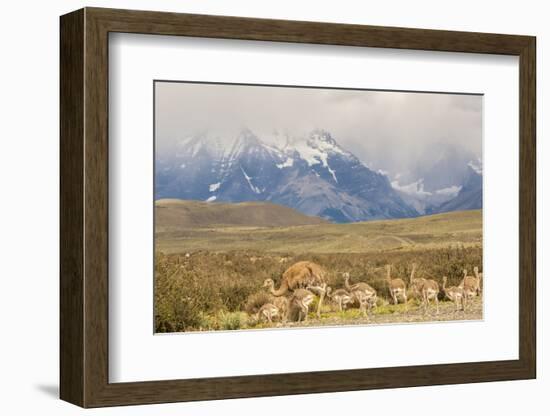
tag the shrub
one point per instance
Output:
(232, 320)
(191, 292)
(255, 301)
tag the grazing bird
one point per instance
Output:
(427, 289)
(300, 300)
(472, 281)
(268, 312)
(303, 275)
(363, 293)
(414, 283)
(365, 302)
(455, 294)
(479, 277)
(340, 296)
(470, 286)
(281, 302)
(397, 287)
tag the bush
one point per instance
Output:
(192, 292)
(180, 297)
(255, 301)
(230, 321)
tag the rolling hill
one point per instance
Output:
(176, 214)
(427, 232)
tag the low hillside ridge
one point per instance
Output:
(173, 214)
(453, 229)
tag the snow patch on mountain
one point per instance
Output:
(286, 164)
(310, 155)
(332, 173)
(450, 191)
(476, 166)
(249, 180)
(317, 149)
(417, 188)
(310, 173)
(414, 188)
(273, 149)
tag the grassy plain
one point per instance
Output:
(423, 233)
(205, 274)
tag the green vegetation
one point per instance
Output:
(429, 232)
(210, 278)
(233, 320)
(209, 290)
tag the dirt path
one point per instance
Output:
(414, 313)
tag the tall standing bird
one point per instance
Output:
(427, 289)
(454, 293)
(397, 287)
(479, 277)
(304, 275)
(362, 292)
(300, 300)
(470, 285)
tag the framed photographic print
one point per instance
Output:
(255, 207)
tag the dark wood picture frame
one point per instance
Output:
(84, 207)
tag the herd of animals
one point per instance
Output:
(305, 280)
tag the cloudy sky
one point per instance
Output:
(385, 129)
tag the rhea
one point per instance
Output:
(363, 293)
(303, 275)
(427, 289)
(268, 312)
(340, 297)
(397, 287)
(470, 286)
(300, 301)
(455, 294)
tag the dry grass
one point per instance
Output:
(210, 290)
(210, 277)
(416, 234)
(177, 214)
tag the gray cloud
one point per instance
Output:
(388, 130)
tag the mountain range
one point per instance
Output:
(313, 175)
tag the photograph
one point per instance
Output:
(282, 206)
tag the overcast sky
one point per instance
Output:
(385, 129)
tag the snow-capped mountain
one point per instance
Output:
(314, 175)
(470, 195)
(440, 166)
(444, 173)
(422, 200)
